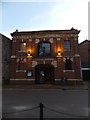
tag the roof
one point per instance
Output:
(72, 30)
(1, 35)
(84, 41)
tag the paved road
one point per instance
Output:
(59, 103)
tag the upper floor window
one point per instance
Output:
(23, 46)
(67, 45)
(44, 49)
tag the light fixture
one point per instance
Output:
(24, 43)
(59, 54)
(29, 54)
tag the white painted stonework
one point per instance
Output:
(77, 55)
(37, 41)
(64, 59)
(34, 63)
(72, 59)
(13, 56)
(58, 39)
(54, 63)
(30, 39)
(51, 40)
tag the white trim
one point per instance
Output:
(85, 68)
(22, 51)
(75, 79)
(13, 56)
(77, 55)
(31, 79)
(23, 79)
(71, 35)
(71, 56)
(54, 63)
(30, 39)
(68, 70)
(58, 39)
(37, 40)
(57, 79)
(69, 79)
(20, 70)
(51, 40)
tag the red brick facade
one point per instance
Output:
(45, 56)
(84, 48)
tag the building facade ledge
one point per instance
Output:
(22, 79)
(68, 70)
(85, 68)
(13, 56)
(20, 70)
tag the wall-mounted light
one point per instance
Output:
(24, 43)
(59, 54)
(29, 54)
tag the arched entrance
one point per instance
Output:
(44, 73)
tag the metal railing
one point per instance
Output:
(41, 106)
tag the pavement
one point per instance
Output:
(83, 86)
(57, 103)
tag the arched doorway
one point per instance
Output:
(44, 73)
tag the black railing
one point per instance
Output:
(41, 106)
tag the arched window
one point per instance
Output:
(68, 64)
(44, 49)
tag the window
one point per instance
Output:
(21, 63)
(23, 47)
(44, 49)
(68, 64)
(29, 73)
(67, 45)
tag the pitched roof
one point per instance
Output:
(84, 41)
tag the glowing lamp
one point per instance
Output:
(59, 54)
(24, 43)
(29, 54)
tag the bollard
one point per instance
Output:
(41, 111)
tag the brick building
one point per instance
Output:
(6, 54)
(45, 56)
(84, 48)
